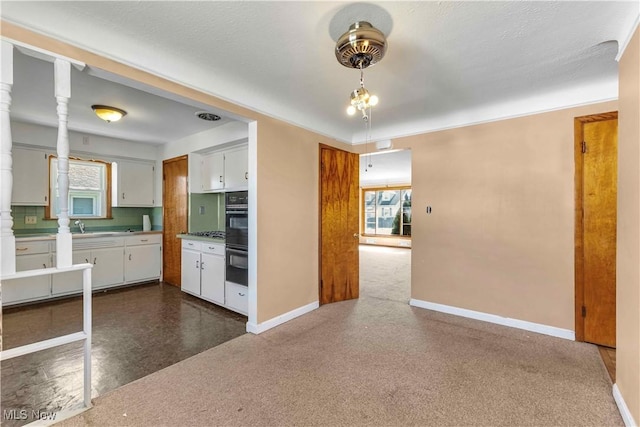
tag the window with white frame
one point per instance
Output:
(386, 211)
(88, 189)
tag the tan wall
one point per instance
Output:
(500, 238)
(288, 215)
(628, 248)
(288, 186)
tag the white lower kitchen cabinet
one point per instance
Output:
(191, 271)
(212, 274)
(108, 267)
(29, 288)
(66, 283)
(203, 270)
(203, 275)
(116, 260)
(108, 270)
(237, 297)
(142, 258)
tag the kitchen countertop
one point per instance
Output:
(88, 234)
(200, 238)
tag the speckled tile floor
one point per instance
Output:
(136, 331)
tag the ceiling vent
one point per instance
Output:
(210, 117)
(363, 45)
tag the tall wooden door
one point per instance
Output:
(596, 208)
(339, 221)
(174, 215)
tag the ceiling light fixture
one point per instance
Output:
(361, 47)
(108, 114)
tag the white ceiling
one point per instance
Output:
(448, 63)
(150, 118)
(385, 168)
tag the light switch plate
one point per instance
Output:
(30, 219)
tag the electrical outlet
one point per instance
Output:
(30, 219)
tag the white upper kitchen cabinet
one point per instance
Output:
(236, 169)
(226, 170)
(135, 186)
(30, 177)
(212, 175)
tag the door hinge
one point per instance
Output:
(584, 311)
(584, 147)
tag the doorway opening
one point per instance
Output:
(385, 225)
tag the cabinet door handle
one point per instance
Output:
(87, 260)
(197, 264)
(94, 261)
(44, 265)
(202, 265)
(129, 257)
(122, 196)
(220, 178)
(246, 175)
(21, 249)
(241, 294)
(144, 240)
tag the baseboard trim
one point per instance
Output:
(492, 318)
(258, 328)
(623, 408)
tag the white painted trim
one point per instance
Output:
(254, 328)
(623, 46)
(42, 54)
(623, 408)
(499, 320)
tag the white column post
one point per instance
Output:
(62, 74)
(7, 239)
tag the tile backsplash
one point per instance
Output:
(123, 219)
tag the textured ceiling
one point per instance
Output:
(448, 63)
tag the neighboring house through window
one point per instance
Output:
(89, 189)
(387, 211)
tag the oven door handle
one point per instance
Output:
(236, 212)
(237, 251)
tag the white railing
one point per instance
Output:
(85, 335)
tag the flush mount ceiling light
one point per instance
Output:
(108, 114)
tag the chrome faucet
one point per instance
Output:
(80, 224)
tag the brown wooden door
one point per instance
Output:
(339, 203)
(174, 215)
(599, 211)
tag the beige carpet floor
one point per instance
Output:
(373, 361)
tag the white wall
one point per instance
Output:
(108, 148)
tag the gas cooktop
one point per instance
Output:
(210, 234)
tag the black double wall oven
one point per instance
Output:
(237, 237)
